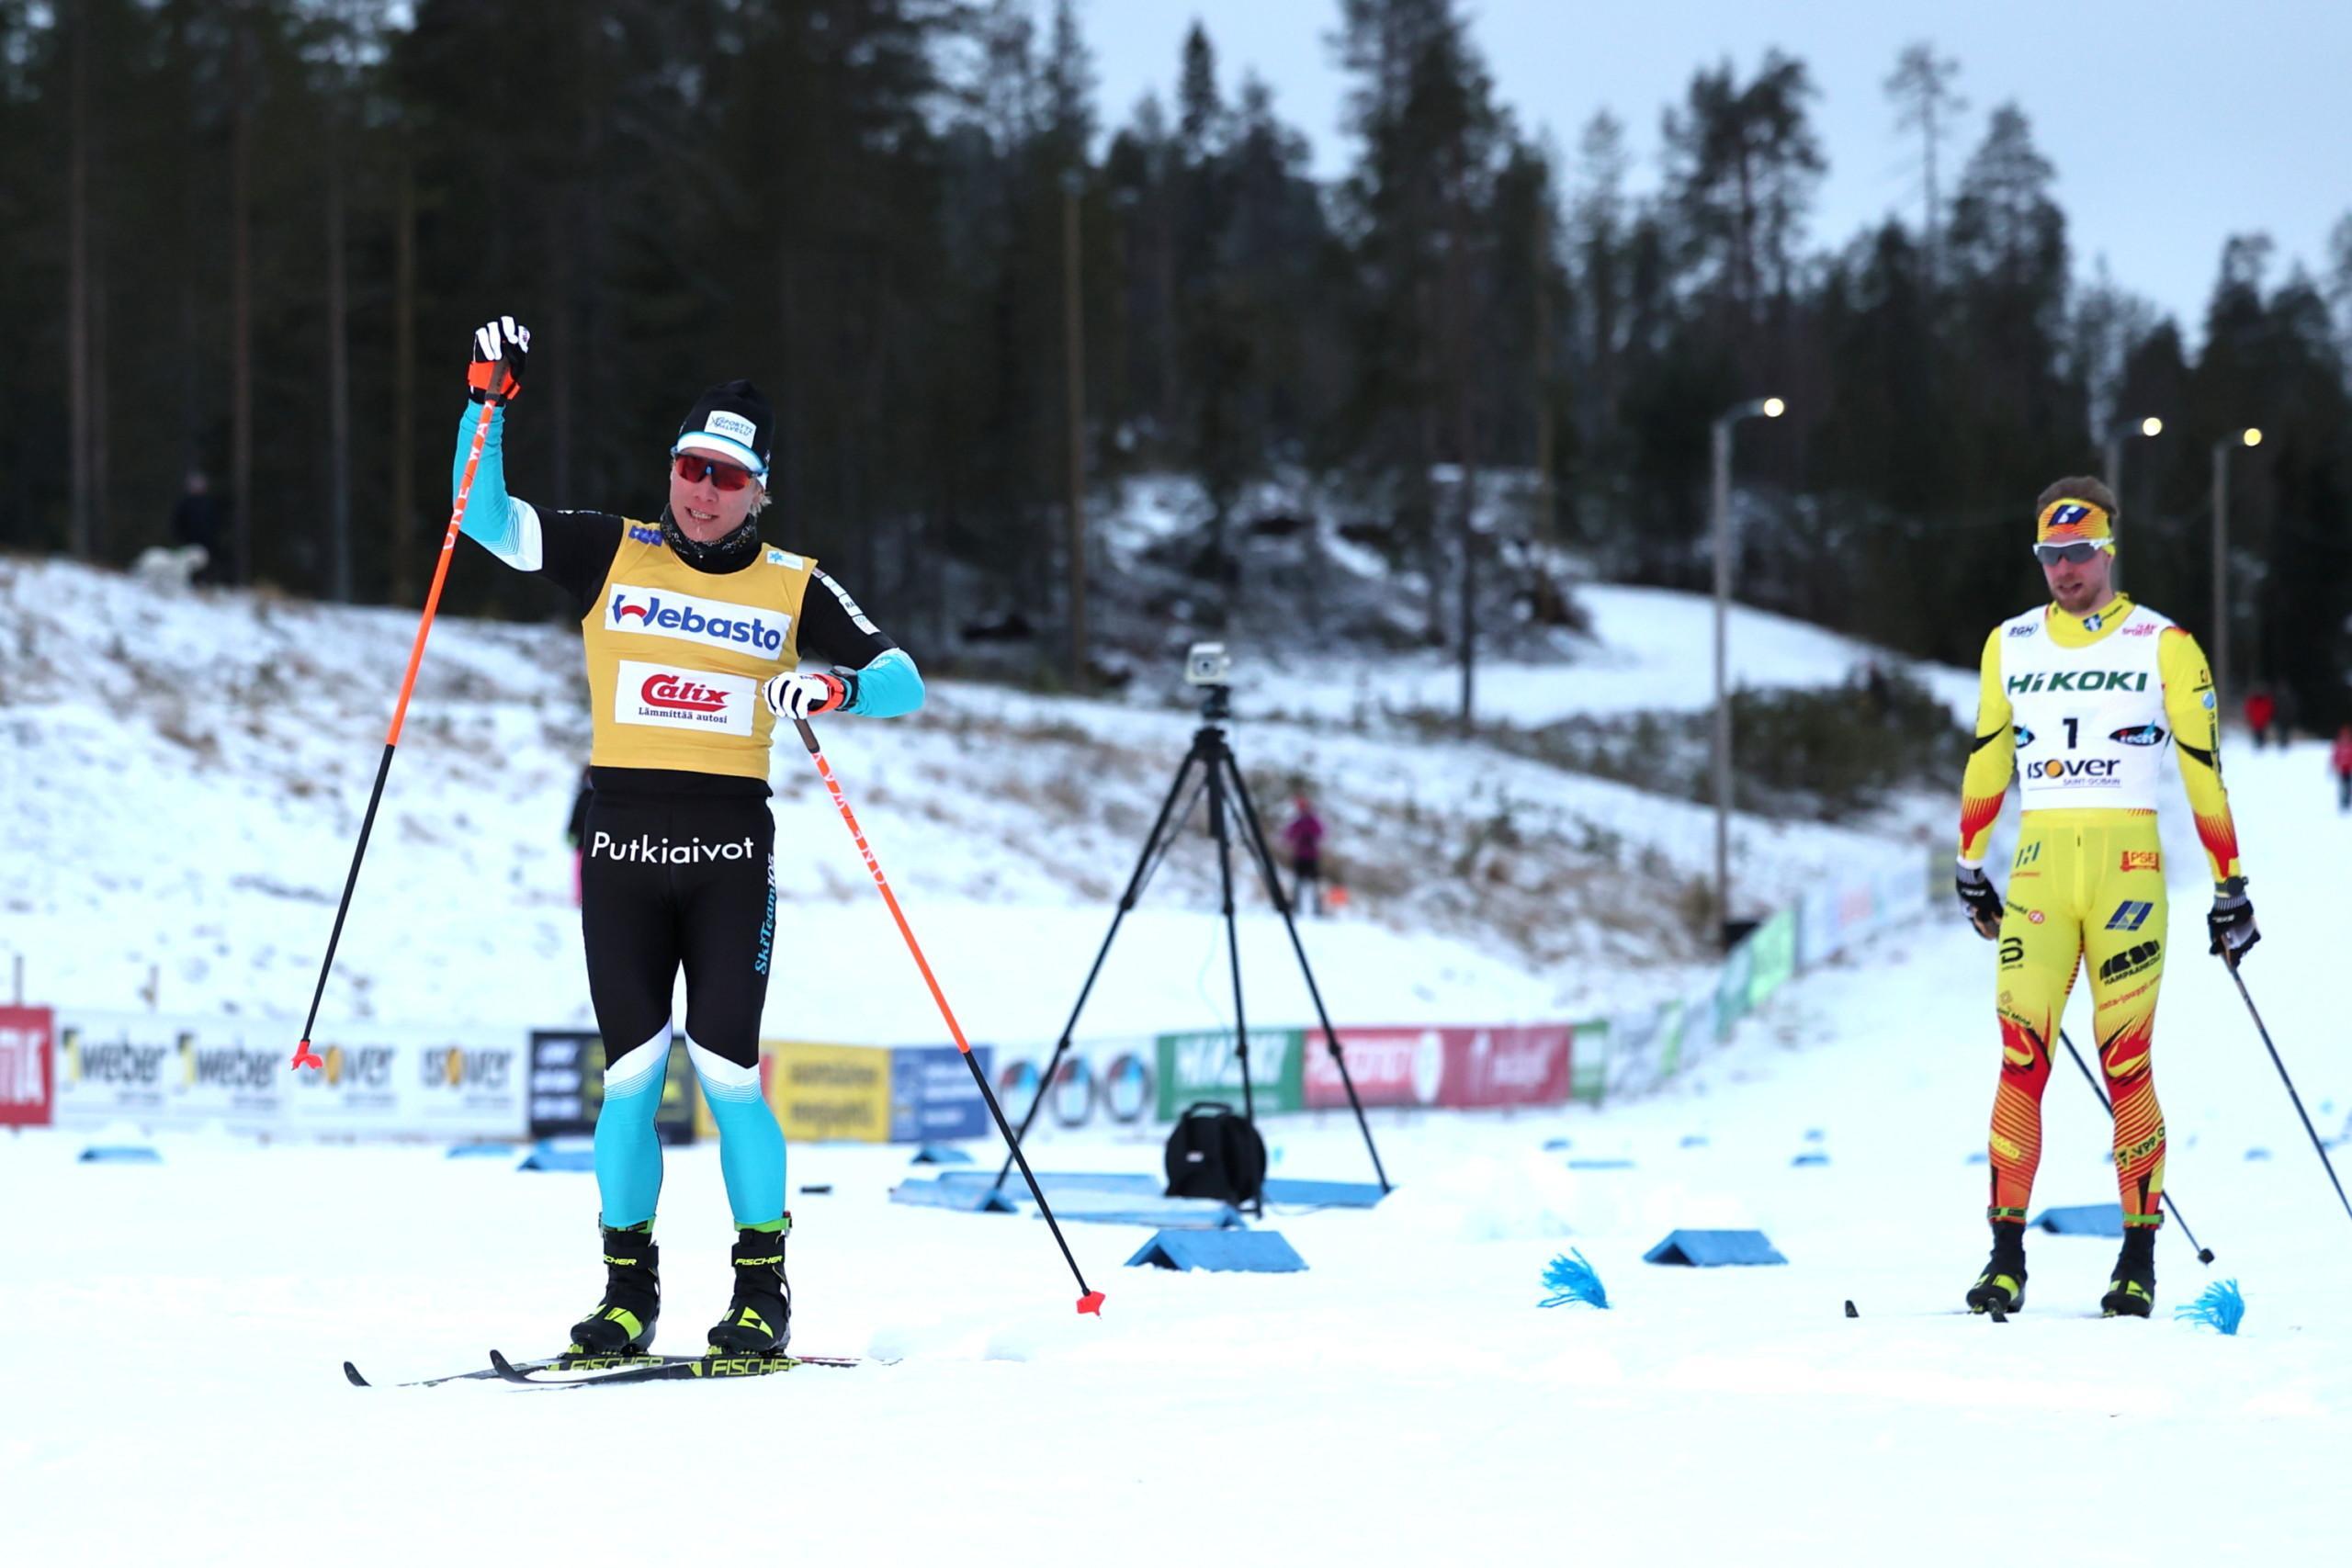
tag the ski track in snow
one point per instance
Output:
(170, 1392)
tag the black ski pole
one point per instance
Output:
(304, 1055)
(1088, 1300)
(2204, 1253)
(2297, 1099)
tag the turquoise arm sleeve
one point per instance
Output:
(489, 512)
(889, 686)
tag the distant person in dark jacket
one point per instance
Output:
(2342, 759)
(2260, 709)
(196, 520)
(1304, 838)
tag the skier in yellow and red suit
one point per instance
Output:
(2080, 697)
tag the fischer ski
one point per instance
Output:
(580, 1373)
(565, 1361)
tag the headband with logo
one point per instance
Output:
(2069, 521)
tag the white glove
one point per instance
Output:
(804, 696)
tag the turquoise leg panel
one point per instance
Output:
(750, 1145)
(628, 1152)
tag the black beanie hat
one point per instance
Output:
(731, 420)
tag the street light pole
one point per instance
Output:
(2247, 437)
(1766, 408)
(2150, 426)
(1074, 376)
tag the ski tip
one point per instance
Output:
(1090, 1302)
(353, 1373)
(499, 1364)
(1850, 1312)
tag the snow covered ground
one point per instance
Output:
(169, 1390)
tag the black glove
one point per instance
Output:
(500, 350)
(1979, 901)
(2232, 922)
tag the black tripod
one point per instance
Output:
(1221, 778)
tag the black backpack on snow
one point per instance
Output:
(1214, 1153)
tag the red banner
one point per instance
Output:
(1508, 1064)
(28, 1075)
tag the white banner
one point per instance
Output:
(162, 1071)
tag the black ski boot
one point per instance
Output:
(2001, 1288)
(759, 1318)
(622, 1323)
(2132, 1291)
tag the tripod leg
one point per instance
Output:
(1222, 832)
(1151, 844)
(1265, 859)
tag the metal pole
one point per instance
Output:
(2115, 488)
(1722, 701)
(1074, 371)
(2221, 580)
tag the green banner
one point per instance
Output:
(1203, 1065)
(1772, 956)
(1588, 1061)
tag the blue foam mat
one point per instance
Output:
(2083, 1219)
(1715, 1249)
(547, 1155)
(1120, 1209)
(1251, 1252)
(120, 1154)
(964, 1197)
(1055, 1181)
(1329, 1194)
(942, 1154)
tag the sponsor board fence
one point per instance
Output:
(85, 1067)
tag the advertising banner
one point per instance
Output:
(162, 1071)
(1588, 1077)
(1506, 1065)
(829, 1093)
(1772, 956)
(932, 1096)
(1388, 1066)
(357, 1089)
(1637, 1046)
(26, 1069)
(1101, 1083)
(1203, 1065)
(567, 1088)
(464, 1085)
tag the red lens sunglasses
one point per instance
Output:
(693, 466)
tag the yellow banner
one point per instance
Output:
(829, 1093)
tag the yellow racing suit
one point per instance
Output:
(2077, 710)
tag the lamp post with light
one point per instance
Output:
(2150, 426)
(2246, 437)
(1763, 408)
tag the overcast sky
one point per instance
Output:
(2173, 124)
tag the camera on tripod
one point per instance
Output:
(1209, 667)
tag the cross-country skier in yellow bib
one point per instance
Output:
(2079, 699)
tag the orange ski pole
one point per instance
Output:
(1088, 1300)
(304, 1055)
